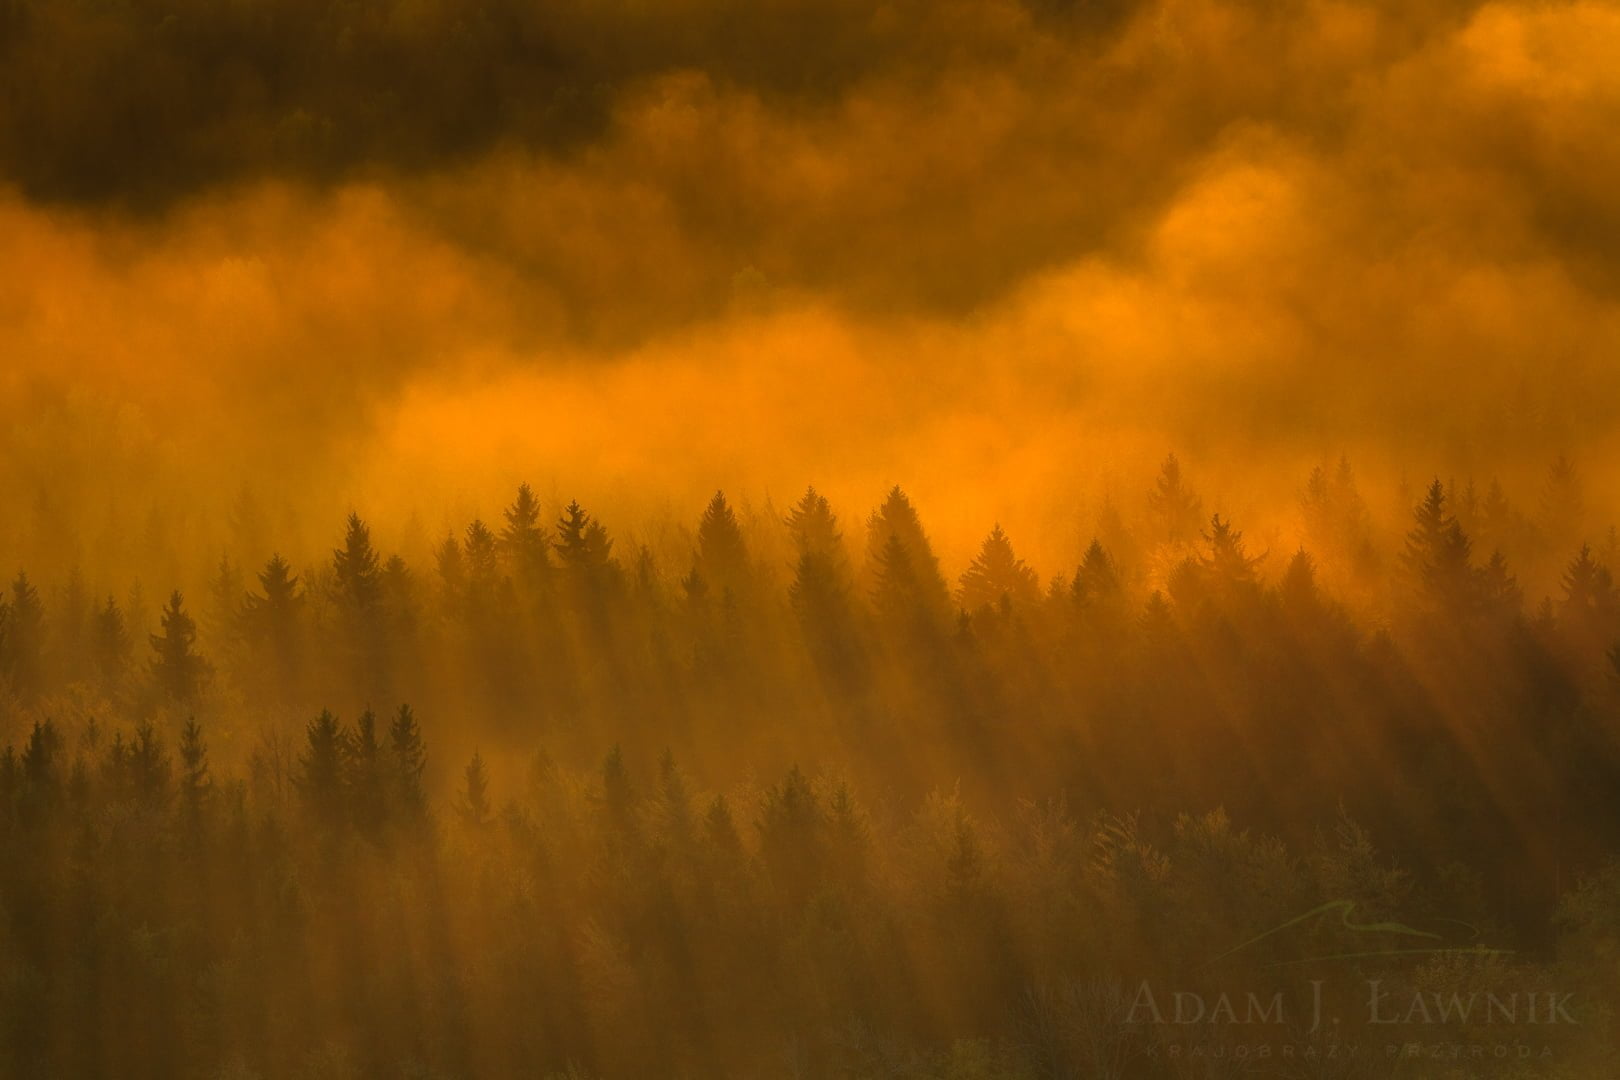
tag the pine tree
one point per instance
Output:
(109, 644)
(177, 669)
(71, 628)
(1497, 521)
(40, 772)
(820, 592)
(813, 526)
(271, 621)
(720, 831)
(452, 569)
(722, 557)
(997, 576)
(618, 795)
(408, 758)
(964, 860)
(1337, 522)
(356, 568)
(894, 587)
(647, 584)
(1591, 604)
(1173, 503)
(674, 803)
(1497, 591)
(1437, 556)
(323, 766)
(483, 565)
(399, 604)
(1158, 622)
(149, 769)
(357, 588)
(473, 803)
(523, 541)
(1563, 505)
(848, 838)
(1228, 565)
(585, 552)
(195, 783)
(1298, 589)
(224, 602)
(902, 571)
(23, 656)
(366, 780)
(791, 834)
(1589, 590)
(1096, 584)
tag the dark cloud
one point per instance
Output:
(1003, 252)
(145, 102)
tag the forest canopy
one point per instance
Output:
(421, 654)
(805, 799)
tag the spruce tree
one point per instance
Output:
(356, 569)
(1174, 504)
(366, 780)
(195, 783)
(408, 760)
(585, 552)
(357, 586)
(451, 565)
(271, 622)
(1096, 581)
(523, 540)
(482, 559)
(23, 655)
(109, 644)
(1436, 557)
(820, 592)
(176, 668)
(322, 770)
(997, 576)
(149, 768)
(722, 556)
(473, 804)
(901, 567)
(1229, 566)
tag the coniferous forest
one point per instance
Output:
(809, 540)
(808, 803)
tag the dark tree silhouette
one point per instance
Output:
(821, 592)
(367, 779)
(1174, 506)
(1437, 556)
(272, 625)
(722, 557)
(195, 783)
(176, 668)
(585, 555)
(523, 540)
(109, 644)
(1096, 582)
(901, 567)
(473, 804)
(323, 768)
(22, 648)
(356, 569)
(997, 575)
(408, 759)
(1228, 564)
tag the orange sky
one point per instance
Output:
(998, 253)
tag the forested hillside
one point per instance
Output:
(807, 803)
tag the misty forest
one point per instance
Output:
(801, 801)
(424, 655)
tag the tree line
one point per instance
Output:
(808, 809)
